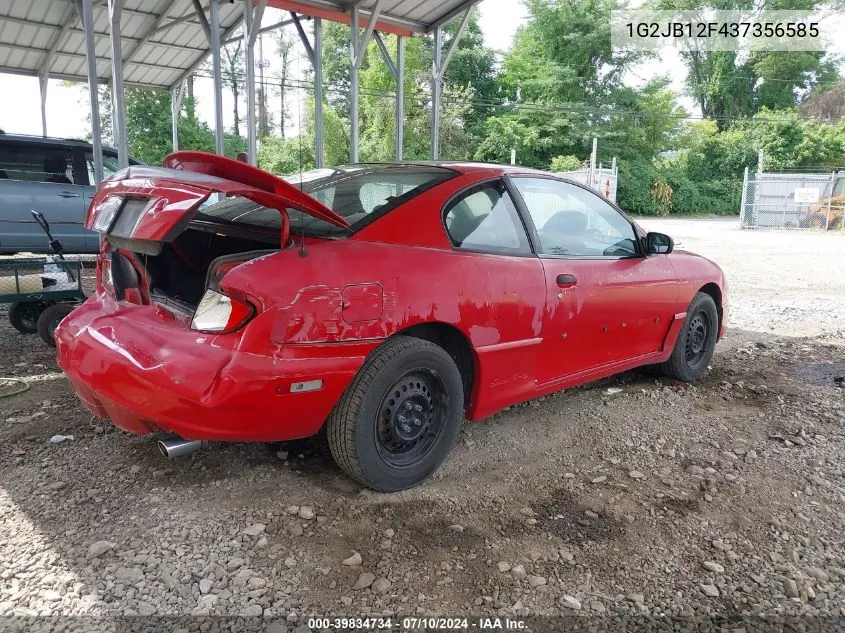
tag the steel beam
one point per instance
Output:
(398, 71)
(464, 6)
(438, 71)
(400, 96)
(226, 36)
(358, 51)
(252, 24)
(319, 148)
(43, 78)
(68, 19)
(175, 108)
(119, 121)
(147, 35)
(214, 42)
(353, 86)
(86, 12)
(436, 86)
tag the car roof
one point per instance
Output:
(47, 140)
(466, 167)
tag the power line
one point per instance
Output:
(505, 105)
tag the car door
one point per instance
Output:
(606, 303)
(39, 176)
(503, 292)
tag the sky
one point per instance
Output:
(67, 105)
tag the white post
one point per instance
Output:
(513, 156)
(217, 73)
(319, 149)
(86, 10)
(119, 122)
(593, 156)
(743, 198)
(355, 53)
(400, 96)
(436, 86)
(175, 108)
(42, 85)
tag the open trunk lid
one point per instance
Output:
(147, 206)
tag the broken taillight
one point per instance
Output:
(219, 313)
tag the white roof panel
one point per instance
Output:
(163, 40)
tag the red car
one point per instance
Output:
(385, 301)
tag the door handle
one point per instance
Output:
(67, 194)
(566, 281)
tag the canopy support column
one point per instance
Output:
(315, 56)
(43, 77)
(252, 23)
(86, 12)
(175, 107)
(217, 73)
(398, 71)
(400, 96)
(317, 62)
(438, 71)
(119, 122)
(358, 50)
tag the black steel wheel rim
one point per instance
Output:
(411, 417)
(698, 338)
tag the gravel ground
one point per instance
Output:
(624, 500)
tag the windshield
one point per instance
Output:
(359, 194)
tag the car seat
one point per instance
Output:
(563, 233)
(56, 169)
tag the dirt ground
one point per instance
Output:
(626, 501)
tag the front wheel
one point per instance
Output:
(696, 342)
(399, 418)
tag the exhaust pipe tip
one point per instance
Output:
(177, 447)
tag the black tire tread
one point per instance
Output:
(342, 422)
(675, 367)
(47, 316)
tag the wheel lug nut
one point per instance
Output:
(406, 428)
(402, 419)
(409, 406)
(417, 421)
(417, 408)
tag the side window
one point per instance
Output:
(36, 164)
(484, 218)
(574, 221)
(110, 166)
(839, 189)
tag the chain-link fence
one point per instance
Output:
(793, 201)
(601, 179)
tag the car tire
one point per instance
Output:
(399, 418)
(23, 315)
(50, 319)
(696, 341)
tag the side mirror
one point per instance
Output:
(659, 244)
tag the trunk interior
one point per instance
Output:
(180, 273)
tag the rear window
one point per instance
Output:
(359, 194)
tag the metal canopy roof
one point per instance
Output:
(46, 35)
(403, 17)
(163, 40)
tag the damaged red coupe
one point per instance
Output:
(384, 301)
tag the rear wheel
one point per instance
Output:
(23, 315)
(50, 319)
(400, 416)
(696, 342)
